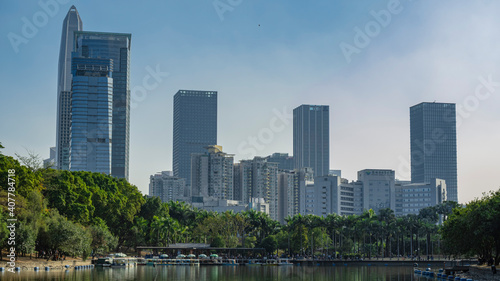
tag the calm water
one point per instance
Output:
(229, 273)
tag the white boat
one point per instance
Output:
(282, 262)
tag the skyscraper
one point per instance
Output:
(195, 127)
(311, 138)
(71, 23)
(91, 115)
(114, 46)
(433, 144)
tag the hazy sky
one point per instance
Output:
(265, 58)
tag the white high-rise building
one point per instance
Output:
(167, 187)
(212, 173)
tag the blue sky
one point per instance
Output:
(265, 57)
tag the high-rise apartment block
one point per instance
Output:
(167, 187)
(433, 144)
(311, 138)
(212, 173)
(195, 127)
(284, 161)
(258, 178)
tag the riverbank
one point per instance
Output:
(482, 273)
(27, 263)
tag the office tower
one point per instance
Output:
(284, 161)
(195, 127)
(71, 23)
(258, 178)
(212, 173)
(433, 144)
(311, 138)
(167, 187)
(91, 115)
(114, 46)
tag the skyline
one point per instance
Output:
(260, 66)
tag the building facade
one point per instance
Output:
(284, 161)
(72, 22)
(290, 182)
(378, 189)
(258, 178)
(311, 138)
(91, 115)
(433, 143)
(212, 173)
(167, 187)
(114, 46)
(195, 127)
(411, 198)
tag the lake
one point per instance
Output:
(228, 273)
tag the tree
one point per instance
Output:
(102, 239)
(270, 243)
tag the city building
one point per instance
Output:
(311, 138)
(331, 194)
(284, 161)
(71, 23)
(337, 173)
(91, 115)
(258, 178)
(212, 173)
(374, 189)
(433, 144)
(116, 47)
(195, 127)
(411, 198)
(167, 187)
(378, 189)
(212, 204)
(51, 161)
(290, 182)
(259, 205)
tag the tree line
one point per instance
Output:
(84, 213)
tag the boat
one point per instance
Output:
(120, 262)
(253, 263)
(271, 262)
(229, 262)
(282, 262)
(104, 262)
(141, 261)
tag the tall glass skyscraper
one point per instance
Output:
(311, 138)
(195, 127)
(433, 144)
(71, 23)
(114, 46)
(91, 115)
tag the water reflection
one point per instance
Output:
(225, 273)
